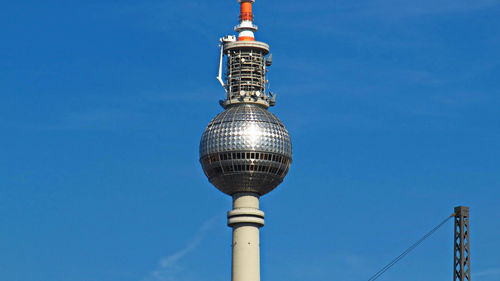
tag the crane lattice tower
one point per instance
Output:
(461, 245)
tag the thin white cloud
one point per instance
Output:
(123, 112)
(487, 272)
(95, 119)
(168, 268)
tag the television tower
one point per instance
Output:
(245, 151)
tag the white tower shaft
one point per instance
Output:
(246, 219)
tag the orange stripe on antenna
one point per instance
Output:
(246, 11)
(246, 38)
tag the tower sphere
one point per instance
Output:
(246, 148)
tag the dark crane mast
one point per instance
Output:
(461, 260)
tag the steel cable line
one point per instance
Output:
(407, 251)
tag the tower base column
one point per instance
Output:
(245, 218)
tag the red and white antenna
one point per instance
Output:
(246, 28)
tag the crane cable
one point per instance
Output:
(407, 251)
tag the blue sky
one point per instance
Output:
(393, 107)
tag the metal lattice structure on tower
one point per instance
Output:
(461, 245)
